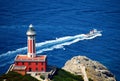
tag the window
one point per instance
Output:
(16, 63)
(36, 69)
(42, 63)
(30, 69)
(22, 63)
(42, 69)
(29, 63)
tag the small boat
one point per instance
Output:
(93, 32)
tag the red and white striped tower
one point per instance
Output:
(31, 42)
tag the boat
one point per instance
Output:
(93, 32)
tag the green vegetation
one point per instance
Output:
(62, 75)
(42, 77)
(13, 76)
(90, 79)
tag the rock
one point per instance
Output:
(95, 70)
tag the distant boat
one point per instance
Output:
(93, 32)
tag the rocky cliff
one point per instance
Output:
(93, 69)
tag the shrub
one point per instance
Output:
(13, 76)
(42, 77)
(62, 75)
(90, 79)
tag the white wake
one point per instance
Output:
(53, 44)
(58, 43)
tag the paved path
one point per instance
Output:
(84, 73)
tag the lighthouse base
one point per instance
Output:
(31, 55)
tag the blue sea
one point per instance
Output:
(59, 25)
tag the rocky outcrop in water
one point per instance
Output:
(93, 69)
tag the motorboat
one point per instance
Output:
(93, 32)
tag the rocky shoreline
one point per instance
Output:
(93, 69)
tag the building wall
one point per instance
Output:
(33, 66)
(22, 72)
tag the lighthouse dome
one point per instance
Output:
(31, 30)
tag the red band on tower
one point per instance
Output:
(31, 41)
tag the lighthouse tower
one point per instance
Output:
(31, 41)
(30, 63)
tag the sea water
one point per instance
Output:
(60, 26)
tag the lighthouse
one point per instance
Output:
(31, 41)
(30, 63)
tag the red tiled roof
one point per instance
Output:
(26, 58)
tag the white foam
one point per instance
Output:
(50, 45)
(54, 44)
(61, 45)
(13, 52)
